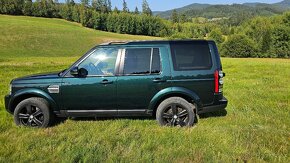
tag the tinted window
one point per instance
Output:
(190, 55)
(156, 67)
(142, 61)
(101, 62)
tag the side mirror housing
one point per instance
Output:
(82, 72)
(74, 71)
(79, 72)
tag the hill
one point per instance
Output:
(255, 127)
(283, 4)
(215, 11)
(50, 37)
(194, 6)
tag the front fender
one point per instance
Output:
(33, 92)
(174, 90)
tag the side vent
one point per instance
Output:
(53, 89)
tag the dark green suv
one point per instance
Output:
(172, 80)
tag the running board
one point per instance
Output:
(102, 113)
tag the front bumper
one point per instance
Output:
(218, 105)
(7, 100)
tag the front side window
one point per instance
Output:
(142, 61)
(101, 62)
(190, 55)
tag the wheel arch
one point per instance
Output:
(187, 94)
(28, 93)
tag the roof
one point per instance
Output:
(136, 42)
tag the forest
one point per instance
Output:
(237, 35)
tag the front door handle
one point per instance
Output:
(159, 80)
(105, 81)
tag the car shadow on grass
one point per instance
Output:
(219, 113)
(62, 120)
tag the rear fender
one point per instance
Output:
(174, 91)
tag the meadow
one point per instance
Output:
(256, 127)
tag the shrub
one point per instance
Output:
(216, 35)
(281, 41)
(239, 46)
(178, 35)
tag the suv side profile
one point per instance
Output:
(172, 80)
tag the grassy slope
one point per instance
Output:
(30, 36)
(256, 127)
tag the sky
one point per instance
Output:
(163, 5)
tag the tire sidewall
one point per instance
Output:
(176, 100)
(38, 102)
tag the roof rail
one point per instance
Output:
(114, 42)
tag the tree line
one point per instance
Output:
(97, 14)
(255, 37)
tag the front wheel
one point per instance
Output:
(32, 112)
(175, 111)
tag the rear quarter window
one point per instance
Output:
(193, 55)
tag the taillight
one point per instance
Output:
(218, 81)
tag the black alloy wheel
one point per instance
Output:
(33, 112)
(175, 115)
(31, 116)
(176, 111)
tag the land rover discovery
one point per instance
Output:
(171, 80)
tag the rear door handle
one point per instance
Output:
(105, 81)
(159, 80)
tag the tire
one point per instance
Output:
(176, 111)
(33, 112)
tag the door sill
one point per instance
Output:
(102, 113)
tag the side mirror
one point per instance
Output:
(79, 72)
(74, 71)
(83, 72)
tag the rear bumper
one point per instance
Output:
(218, 105)
(7, 100)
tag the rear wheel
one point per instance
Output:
(175, 111)
(33, 112)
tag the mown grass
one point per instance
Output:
(255, 129)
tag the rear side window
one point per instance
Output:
(156, 64)
(190, 55)
(140, 61)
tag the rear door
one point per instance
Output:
(141, 76)
(193, 68)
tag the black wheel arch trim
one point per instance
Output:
(27, 93)
(174, 91)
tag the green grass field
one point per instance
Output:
(255, 129)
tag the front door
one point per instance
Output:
(94, 93)
(141, 77)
